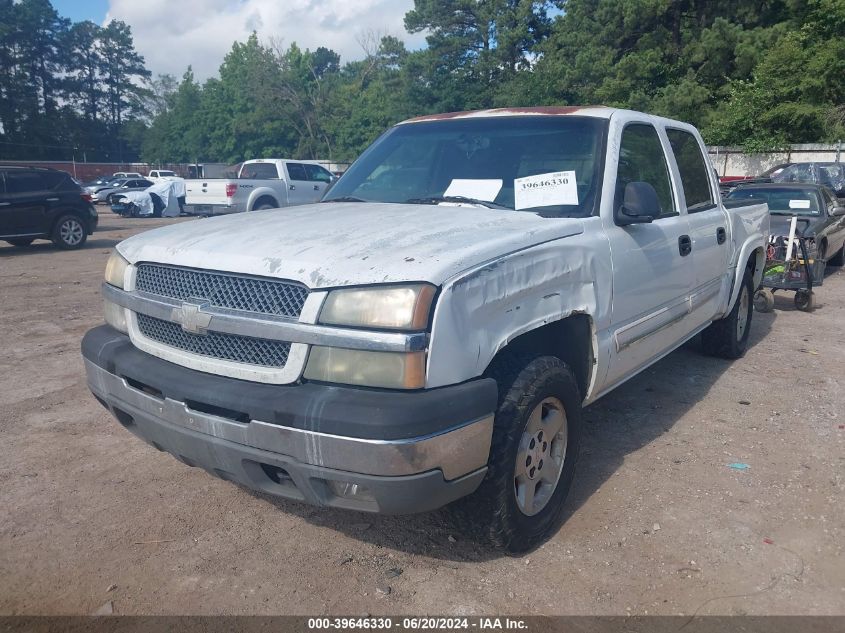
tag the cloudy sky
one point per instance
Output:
(172, 34)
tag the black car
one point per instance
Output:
(40, 203)
(820, 215)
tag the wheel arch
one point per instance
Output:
(260, 195)
(571, 339)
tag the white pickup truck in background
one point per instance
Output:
(431, 330)
(261, 184)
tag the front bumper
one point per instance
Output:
(371, 450)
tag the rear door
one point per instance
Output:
(28, 199)
(652, 270)
(300, 189)
(708, 224)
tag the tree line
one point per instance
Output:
(754, 73)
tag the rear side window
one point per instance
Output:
(693, 168)
(25, 182)
(297, 171)
(259, 171)
(641, 159)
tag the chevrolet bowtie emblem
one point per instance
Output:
(191, 317)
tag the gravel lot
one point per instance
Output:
(658, 523)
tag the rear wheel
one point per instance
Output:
(728, 337)
(536, 436)
(838, 259)
(805, 300)
(21, 241)
(265, 203)
(69, 232)
(764, 300)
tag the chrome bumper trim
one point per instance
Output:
(456, 451)
(269, 327)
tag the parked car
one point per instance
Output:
(161, 174)
(821, 215)
(40, 203)
(92, 186)
(127, 174)
(729, 183)
(261, 184)
(831, 175)
(433, 327)
(121, 185)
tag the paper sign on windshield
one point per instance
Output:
(479, 189)
(799, 204)
(545, 190)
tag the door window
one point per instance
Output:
(695, 177)
(641, 159)
(316, 173)
(297, 171)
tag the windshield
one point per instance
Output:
(789, 201)
(547, 165)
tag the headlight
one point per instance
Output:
(115, 316)
(392, 307)
(391, 370)
(116, 270)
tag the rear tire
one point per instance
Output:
(537, 426)
(728, 337)
(764, 300)
(69, 232)
(21, 241)
(805, 300)
(265, 203)
(838, 260)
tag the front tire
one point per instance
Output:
(536, 437)
(728, 337)
(69, 232)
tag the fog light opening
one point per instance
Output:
(349, 490)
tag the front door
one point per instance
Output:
(652, 270)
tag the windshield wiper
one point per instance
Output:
(438, 199)
(345, 199)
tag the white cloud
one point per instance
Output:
(174, 34)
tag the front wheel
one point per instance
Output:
(728, 337)
(536, 436)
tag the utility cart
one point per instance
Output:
(792, 263)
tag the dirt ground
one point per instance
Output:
(658, 523)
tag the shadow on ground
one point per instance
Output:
(630, 417)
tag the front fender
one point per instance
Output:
(481, 311)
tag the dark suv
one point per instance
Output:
(40, 203)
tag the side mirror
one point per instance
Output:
(640, 204)
(838, 212)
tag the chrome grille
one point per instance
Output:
(265, 296)
(240, 349)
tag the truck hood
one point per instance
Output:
(345, 243)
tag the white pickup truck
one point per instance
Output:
(431, 330)
(261, 184)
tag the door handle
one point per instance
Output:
(721, 235)
(5, 204)
(684, 245)
(316, 187)
(52, 199)
(293, 187)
